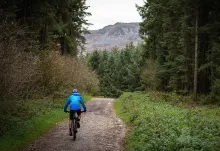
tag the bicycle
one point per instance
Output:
(74, 124)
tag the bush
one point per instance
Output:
(17, 71)
(79, 76)
(28, 73)
(60, 74)
(156, 125)
(24, 75)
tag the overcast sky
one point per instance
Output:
(108, 12)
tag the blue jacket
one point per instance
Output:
(74, 101)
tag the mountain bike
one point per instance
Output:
(74, 124)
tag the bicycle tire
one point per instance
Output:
(74, 129)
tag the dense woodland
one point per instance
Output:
(118, 70)
(40, 51)
(57, 21)
(182, 37)
(41, 43)
(180, 53)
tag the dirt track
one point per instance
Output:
(100, 130)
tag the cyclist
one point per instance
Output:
(74, 101)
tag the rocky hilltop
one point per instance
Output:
(117, 35)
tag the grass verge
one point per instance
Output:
(158, 125)
(29, 130)
(87, 98)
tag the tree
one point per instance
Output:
(196, 59)
(168, 29)
(54, 21)
(94, 61)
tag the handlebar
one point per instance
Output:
(69, 111)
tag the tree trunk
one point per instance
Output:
(204, 82)
(196, 59)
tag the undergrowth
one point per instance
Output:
(159, 124)
(17, 131)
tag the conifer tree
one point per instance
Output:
(53, 21)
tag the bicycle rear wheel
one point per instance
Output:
(74, 129)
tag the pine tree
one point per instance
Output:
(168, 29)
(54, 21)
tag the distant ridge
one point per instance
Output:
(117, 35)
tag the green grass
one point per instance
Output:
(87, 98)
(120, 111)
(158, 125)
(32, 130)
(29, 130)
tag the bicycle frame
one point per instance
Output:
(74, 124)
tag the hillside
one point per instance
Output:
(117, 35)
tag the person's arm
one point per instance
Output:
(66, 105)
(83, 104)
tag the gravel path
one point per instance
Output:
(100, 130)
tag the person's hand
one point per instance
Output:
(84, 110)
(65, 111)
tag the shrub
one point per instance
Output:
(28, 73)
(17, 72)
(24, 74)
(156, 125)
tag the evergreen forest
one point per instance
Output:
(180, 52)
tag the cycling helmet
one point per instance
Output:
(74, 91)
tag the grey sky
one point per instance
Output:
(108, 12)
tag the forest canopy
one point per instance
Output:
(180, 52)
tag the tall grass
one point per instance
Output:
(158, 125)
(23, 131)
